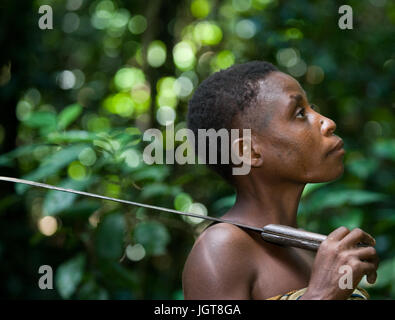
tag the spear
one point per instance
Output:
(273, 233)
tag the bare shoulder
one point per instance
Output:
(223, 239)
(224, 233)
(217, 266)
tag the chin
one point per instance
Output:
(329, 175)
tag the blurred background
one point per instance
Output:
(76, 99)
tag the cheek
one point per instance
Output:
(297, 157)
(283, 152)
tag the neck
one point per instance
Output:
(259, 203)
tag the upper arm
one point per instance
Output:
(218, 266)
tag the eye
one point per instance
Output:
(301, 112)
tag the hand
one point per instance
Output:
(340, 249)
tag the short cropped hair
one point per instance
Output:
(220, 97)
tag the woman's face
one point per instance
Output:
(296, 140)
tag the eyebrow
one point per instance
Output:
(298, 97)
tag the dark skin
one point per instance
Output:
(227, 262)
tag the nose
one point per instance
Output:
(328, 126)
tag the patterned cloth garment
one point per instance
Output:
(358, 294)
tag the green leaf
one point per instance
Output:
(178, 295)
(324, 199)
(117, 275)
(71, 136)
(90, 290)
(57, 201)
(134, 136)
(182, 201)
(385, 149)
(155, 173)
(153, 236)
(362, 168)
(104, 145)
(68, 115)
(81, 209)
(43, 120)
(52, 165)
(385, 273)
(6, 159)
(127, 137)
(40, 119)
(159, 189)
(69, 275)
(351, 219)
(223, 204)
(109, 236)
(310, 187)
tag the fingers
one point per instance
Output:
(369, 269)
(356, 236)
(338, 234)
(366, 253)
(369, 254)
(372, 277)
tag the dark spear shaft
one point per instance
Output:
(275, 233)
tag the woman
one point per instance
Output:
(291, 145)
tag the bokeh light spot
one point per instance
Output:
(47, 225)
(183, 86)
(315, 74)
(73, 5)
(207, 33)
(287, 57)
(184, 55)
(299, 69)
(137, 24)
(200, 8)
(224, 60)
(71, 22)
(165, 115)
(241, 5)
(293, 33)
(131, 158)
(76, 171)
(126, 78)
(245, 29)
(23, 110)
(196, 208)
(156, 54)
(87, 157)
(136, 252)
(66, 79)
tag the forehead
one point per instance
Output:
(274, 95)
(278, 85)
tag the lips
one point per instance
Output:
(337, 146)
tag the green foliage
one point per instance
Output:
(153, 236)
(69, 275)
(84, 93)
(109, 237)
(55, 201)
(52, 164)
(68, 115)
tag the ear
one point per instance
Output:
(247, 150)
